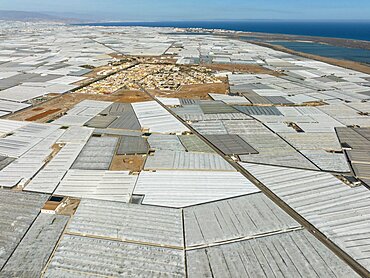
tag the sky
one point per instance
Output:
(166, 10)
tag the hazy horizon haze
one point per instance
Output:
(145, 10)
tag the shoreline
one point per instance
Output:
(364, 68)
(348, 43)
(335, 41)
(199, 26)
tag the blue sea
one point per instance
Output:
(330, 51)
(346, 30)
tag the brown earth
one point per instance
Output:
(56, 149)
(199, 91)
(50, 206)
(37, 109)
(43, 114)
(69, 206)
(242, 68)
(61, 104)
(133, 163)
(128, 96)
(163, 59)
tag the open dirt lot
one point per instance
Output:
(133, 163)
(194, 91)
(242, 68)
(55, 107)
(42, 115)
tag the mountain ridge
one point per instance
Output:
(34, 16)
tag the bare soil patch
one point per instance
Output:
(133, 163)
(200, 91)
(42, 115)
(56, 106)
(242, 68)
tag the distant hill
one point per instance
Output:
(33, 16)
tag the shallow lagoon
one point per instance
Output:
(325, 50)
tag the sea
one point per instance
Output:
(346, 30)
(356, 30)
(330, 51)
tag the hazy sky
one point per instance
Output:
(147, 10)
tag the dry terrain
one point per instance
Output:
(199, 91)
(55, 107)
(133, 163)
(242, 68)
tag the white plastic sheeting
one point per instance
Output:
(186, 188)
(49, 177)
(98, 184)
(338, 211)
(154, 117)
(83, 112)
(24, 168)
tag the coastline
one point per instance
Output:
(336, 62)
(352, 30)
(349, 43)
